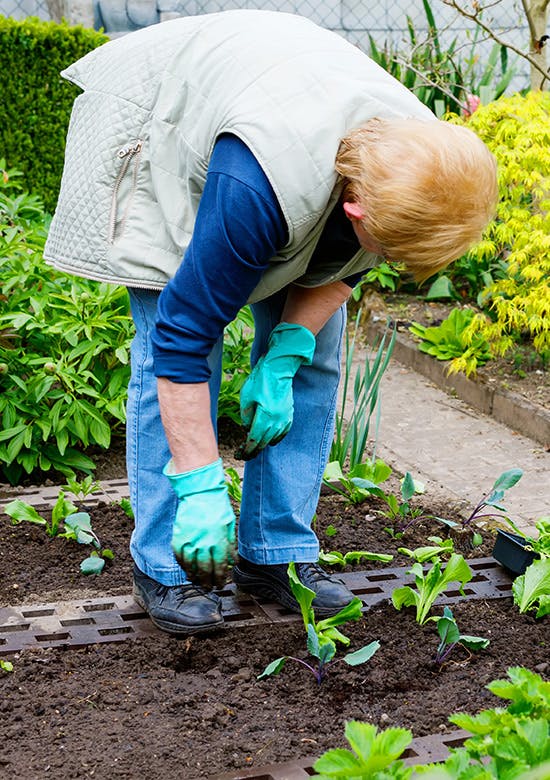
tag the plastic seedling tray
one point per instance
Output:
(510, 551)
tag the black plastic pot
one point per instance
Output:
(510, 552)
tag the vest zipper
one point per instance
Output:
(131, 151)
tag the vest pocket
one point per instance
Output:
(130, 155)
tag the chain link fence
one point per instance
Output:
(384, 20)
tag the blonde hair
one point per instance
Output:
(428, 188)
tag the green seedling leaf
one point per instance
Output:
(508, 479)
(303, 595)
(372, 753)
(79, 526)
(6, 666)
(429, 552)
(20, 512)
(273, 668)
(474, 642)
(108, 554)
(430, 585)
(331, 530)
(363, 655)
(351, 611)
(313, 644)
(477, 539)
(407, 487)
(92, 565)
(533, 587)
(447, 628)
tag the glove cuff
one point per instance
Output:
(209, 477)
(288, 339)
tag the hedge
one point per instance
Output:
(36, 102)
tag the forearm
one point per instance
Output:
(185, 414)
(312, 307)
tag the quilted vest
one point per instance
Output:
(153, 103)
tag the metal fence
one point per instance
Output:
(384, 20)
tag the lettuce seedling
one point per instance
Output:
(430, 585)
(450, 637)
(66, 523)
(20, 512)
(322, 635)
(539, 544)
(336, 558)
(430, 552)
(533, 588)
(375, 755)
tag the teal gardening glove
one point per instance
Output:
(267, 405)
(203, 537)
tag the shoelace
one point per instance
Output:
(312, 571)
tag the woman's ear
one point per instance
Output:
(353, 210)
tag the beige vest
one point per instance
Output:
(154, 102)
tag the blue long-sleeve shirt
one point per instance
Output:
(238, 229)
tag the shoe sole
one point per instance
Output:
(177, 629)
(262, 589)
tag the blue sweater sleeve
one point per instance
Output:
(238, 229)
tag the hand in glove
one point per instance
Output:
(203, 538)
(267, 405)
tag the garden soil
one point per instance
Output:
(159, 707)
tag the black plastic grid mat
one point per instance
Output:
(116, 618)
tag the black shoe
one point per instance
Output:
(271, 582)
(178, 609)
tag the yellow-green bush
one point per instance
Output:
(517, 130)
(36, 102)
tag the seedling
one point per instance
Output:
(479, 516)
(429, 552)
(375, 755)
(361, 481)
(430, 585)
(126, 506)
(6, 666)
(540, 544)
(234, 487)
(533, 588)
(82, 488)
(336, 558)
(450, 637)
(403, 512)
(322, 635)
(66, 523)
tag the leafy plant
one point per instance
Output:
(322, 635)
(539, 544)
(84, 487)
(516, 130)
(402, 511)
(450, 637)
(448, 341)
(430, 585)
(432, 552)
(533, 588)
(234, 486)
(64, 352)
(479, 515)
(352, 557)
(237, 343)
(510, 741)
(126, 506)
(350, 437)
(20, 511)
(442, 76)
(66, 523)
(383, 275)
(374, 755)
(359, 482)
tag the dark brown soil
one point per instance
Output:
(161, 708)
(38, 568)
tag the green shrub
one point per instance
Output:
(36, 102)
(517, 130)
(64, 345)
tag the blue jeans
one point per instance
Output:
(281, 485)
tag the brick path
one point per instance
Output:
(448, 445)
